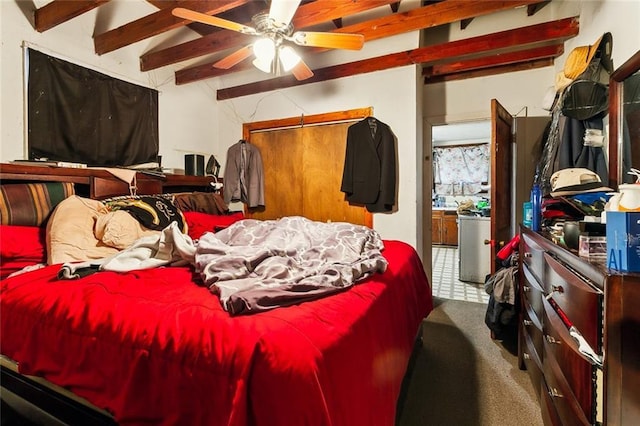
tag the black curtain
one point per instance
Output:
(80, 115)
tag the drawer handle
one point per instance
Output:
(557, 289)
(527, 322)
(553, 393)
(552, 339)
(528, 254)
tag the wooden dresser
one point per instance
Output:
(558, 290)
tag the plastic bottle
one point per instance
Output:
(536, 203)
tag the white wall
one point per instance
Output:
(619, 17)
(186, 112)
(522, 92)
(192, 120)
(392, 103)
(190, 117)
(391, 93)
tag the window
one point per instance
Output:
(460, 170)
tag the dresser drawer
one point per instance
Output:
(533, 256)
(580, 301)
(533, 294)
(569, 367)
(548, 410)
(532, 328)
(531, 356)
(560, 392)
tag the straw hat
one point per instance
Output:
(580, 58)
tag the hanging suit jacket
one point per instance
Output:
(369, 175)
(243, 175)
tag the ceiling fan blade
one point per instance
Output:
(234, 58)
(183, 13)
(301, 71)
(329, 40)
(282, 11)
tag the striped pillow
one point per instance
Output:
(29, 204)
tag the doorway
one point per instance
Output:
(514, 142)
(456, 147)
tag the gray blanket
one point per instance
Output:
(258, 265)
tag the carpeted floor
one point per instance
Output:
(463, 377)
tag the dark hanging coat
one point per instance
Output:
(369, 175)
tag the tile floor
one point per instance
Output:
(445, 278)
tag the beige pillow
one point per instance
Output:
(70, 231)
(119, 229)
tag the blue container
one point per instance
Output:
(527, 213)
(536, 207)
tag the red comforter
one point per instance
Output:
(153, 347)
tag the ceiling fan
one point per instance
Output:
(273, 52)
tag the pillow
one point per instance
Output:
(119, 229)
(199, 223)
(30, 204)
(203, 202)
(152, 211)
(21, 246)
(70, 231)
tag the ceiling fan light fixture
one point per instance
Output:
(263, 65)
(288, 57)
(264, 49)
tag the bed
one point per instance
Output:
(156, 346)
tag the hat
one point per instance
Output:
(576, 181)
(584, 99)
(580, 57)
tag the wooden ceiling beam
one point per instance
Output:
(465, 23)
(511, 40)
(317, 12)
(156, 23)
(320, 11)
(532, 9)
(59, 11)
(498, 69)
(435, 14)
(494, 60)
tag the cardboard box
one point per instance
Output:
(623, 241)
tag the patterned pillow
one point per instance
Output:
(30, 204)
(154, 212)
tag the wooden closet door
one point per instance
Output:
(281, 153)
(323, 163)
(303, 173)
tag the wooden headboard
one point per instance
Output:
(99, 183)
